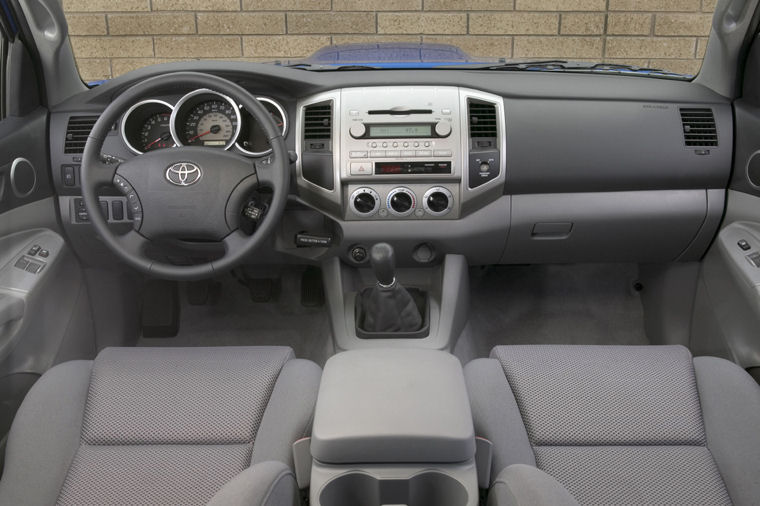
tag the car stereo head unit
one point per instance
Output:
(414, 134)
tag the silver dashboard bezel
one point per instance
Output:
(284, 133)
(132, 109)
(199, 91)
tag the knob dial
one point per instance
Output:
(438, 201)
(357, 130)
(364, 201)
(443, 129)
(401, 201)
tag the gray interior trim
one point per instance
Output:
(288, 416)
(496, 416)
(45, 436)
(263, 484)
(730, 401)
(522, 485)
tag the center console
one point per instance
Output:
(393, 426)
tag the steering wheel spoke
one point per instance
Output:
(266, 174)
(99, 174)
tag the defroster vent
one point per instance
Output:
(699, 127)
(318, 121)
(78, 129)
(482, 116)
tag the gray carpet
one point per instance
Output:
(551, 304)
(234, 320)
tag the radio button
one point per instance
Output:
(377, 154)
(373, 145)
(392, 154)
(357, 154)
(416, 144)
(446, 112)
(427, 144)
(395, 144)
(407, 154)
(406, 144)
(361, 168)
(385, 144)
(422, 153)
(442, 152)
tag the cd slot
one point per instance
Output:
(400, 112)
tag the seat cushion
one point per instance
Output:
(614, 425)
(161, 425)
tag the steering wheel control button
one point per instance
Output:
(438, 201)
(401, 202)
(361, 168)
(183, 174)
(364, 202)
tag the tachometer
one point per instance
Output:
(146, 126)
(205, 118)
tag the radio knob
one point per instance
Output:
(443, 129)
(357, 130)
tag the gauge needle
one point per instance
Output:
(164, 137)
(191, 139)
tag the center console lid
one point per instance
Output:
(392, 405)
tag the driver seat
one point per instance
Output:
(163, 426)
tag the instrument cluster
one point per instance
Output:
(200, 118)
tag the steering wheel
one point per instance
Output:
(185, 192)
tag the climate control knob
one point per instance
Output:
(443, 129)
(401, 201)
(364, 201)
(438, 201)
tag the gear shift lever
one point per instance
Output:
(383, 260)
(387, 306)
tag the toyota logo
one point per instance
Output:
(183, 174)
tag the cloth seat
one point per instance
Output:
(616, 425)
(162, 426)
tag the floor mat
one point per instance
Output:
(551, 304)
(234, 320)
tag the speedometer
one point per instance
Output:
(205, 118)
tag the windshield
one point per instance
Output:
(112, 37)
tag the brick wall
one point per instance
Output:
(111, 37)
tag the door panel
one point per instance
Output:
(44, 307)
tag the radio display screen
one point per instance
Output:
(400, 130)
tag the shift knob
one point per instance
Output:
(383, 261)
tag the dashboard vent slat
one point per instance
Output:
(699, 127)
(77, 130)
(482, 119)
(318, 121)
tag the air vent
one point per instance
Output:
(78, 129)
(482, 117)
(699, 127)
(318, 121)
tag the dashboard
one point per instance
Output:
(498, 167)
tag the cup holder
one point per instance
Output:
(429, 487)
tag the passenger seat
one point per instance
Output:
(616, 425)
